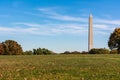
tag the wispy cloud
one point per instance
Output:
(68, 18)
(101, 26)
(61, 29)
(27, 24)
(76, 29)
(107, 21)
(17, 30)
(54, 15)
(47, 29)
(51, 13)
(6, 29)
(101, 33)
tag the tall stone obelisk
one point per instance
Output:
(90, 33)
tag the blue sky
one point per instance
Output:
(58, 25)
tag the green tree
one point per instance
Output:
(114, 40)
(28, 52)
(75, 52)
(42, 51)
(66, 52)
(99, 51)
(11, 47)
(114, 51)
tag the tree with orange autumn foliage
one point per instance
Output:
(1, 49)
(114, 40)
(10, 47)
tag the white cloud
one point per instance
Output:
(68, 28)
(103, 27)
(54, 15)
(100, 33)
(68, 18)
(6, 29)
(17, 30)
(107, 21)
(28, 24)
(45, 29)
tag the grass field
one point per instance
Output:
(60, 67)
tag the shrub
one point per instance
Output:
(114, 51)
(42, 51)
(28, 52)
(99, 51)
(66, 52)
(75, 52)
(84, 52)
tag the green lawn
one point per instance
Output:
(60, 67)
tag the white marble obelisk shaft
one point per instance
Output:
(90, 34)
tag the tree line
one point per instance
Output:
(11, 47)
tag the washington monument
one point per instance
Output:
(90, 34)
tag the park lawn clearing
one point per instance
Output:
(60, 67)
